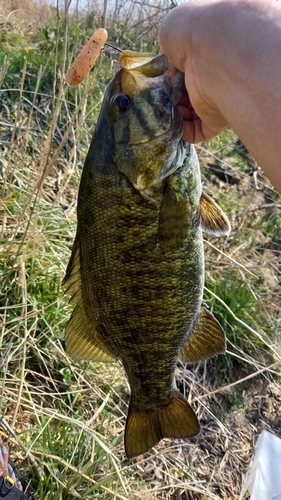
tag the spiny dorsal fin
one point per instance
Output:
(81, 337)
(206, 341)
(213, 219)
(144, 429)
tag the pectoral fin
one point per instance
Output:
(81, 337)
(213, 219)
(206, 341)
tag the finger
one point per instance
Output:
(187, 114)
(196, 131)
(185, 101)
(189, 131)
(171, 70)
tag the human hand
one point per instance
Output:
(179, 36)
(201, 120)
(229, 53)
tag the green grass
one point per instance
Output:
(65, 419)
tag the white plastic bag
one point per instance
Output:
(263, 480)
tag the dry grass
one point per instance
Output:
(65, 420)
(22, 12)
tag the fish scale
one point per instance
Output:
(146, 272)
(136, 273)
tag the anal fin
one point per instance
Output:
(82, 340)
(213, 219)
(144, 429)
(206, 341)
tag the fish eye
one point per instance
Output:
(122, 101)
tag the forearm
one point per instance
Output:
(232, 49)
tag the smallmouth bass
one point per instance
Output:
(136, 272)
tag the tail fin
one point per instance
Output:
(145, 429)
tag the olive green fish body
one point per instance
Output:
(136, 273)
(138, 280)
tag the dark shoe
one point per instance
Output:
(10, 492)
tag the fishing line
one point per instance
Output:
(112, 46)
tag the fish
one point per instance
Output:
(136, 272)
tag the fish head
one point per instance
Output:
(146, 125)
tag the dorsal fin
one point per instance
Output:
(206, 341)
(82, 339)
(72, 279)
(213, 219)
